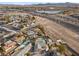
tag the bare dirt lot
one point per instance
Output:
(55, 30)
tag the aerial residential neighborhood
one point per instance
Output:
(49, 29)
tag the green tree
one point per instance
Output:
(61, 49)
(33, 18)
(2, 49)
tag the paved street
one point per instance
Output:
(23, 51)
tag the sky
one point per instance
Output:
(35, 1)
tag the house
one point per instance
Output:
(9, 46)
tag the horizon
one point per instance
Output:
(30, 3)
